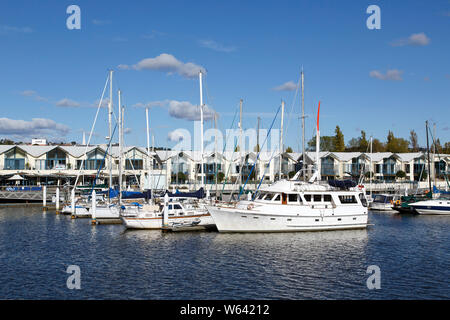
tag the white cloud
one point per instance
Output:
(213, 45)
(181, 109)
(37, 126)
(10, 29)
(99, 22)
(166, 63)
(287, 86)
(152, 104)
(127, 130)
(416, 39)
(33, 94)
(393, 74)
(175, 136)
(186, 110)
(67, 103)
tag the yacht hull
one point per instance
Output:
(238, 220)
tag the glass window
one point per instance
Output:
(317, 198)
(308, 197)
(177, 206)
(327, 197)
(292, 197)
(348, 199)
(277, 198)
(269, 196)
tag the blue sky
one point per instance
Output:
(394, 78)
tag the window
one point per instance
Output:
(170, 207)
(292, 198)
(277, 198)
(347, 199)
(327, 197)
(308, 197)
(269, 196)
(177, 206)
(317, 198)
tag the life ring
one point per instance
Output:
(250, 206)
(398, 202)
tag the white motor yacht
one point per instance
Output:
(294, 206)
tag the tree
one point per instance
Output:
(326, 143)
(413, 141)
(400, 174)
(289, 150)
(396, 145)
(339, 143)
(446, 148)
(378, 146)
(220, 177)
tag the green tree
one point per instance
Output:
(413, 141)
(400, 174)
(339, 143)
(396, 145)
(289, 150)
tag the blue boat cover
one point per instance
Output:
(343, 184)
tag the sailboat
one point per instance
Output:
(175, 211)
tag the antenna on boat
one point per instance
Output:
(281, 138)
(303, 125)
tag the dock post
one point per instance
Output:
(72, 203)
(94, 208)
(57, 200)
(166, 210)
(44, 198)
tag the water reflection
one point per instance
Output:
(412, 252)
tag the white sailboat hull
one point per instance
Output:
(206, 221)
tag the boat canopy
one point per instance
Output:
(342, 184)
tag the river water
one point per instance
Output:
(36, 248)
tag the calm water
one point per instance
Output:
(413, 253)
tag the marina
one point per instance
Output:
(215, 153)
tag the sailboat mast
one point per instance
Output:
(110, 111)
(428, 155)
(281, 138)
(201, 129)
(318, 146)
(241, 151)
(150, 167)
(303, 127)
(120, 147)
(370, 171)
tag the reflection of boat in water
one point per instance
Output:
(384, 202)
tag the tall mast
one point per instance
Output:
(428, 153)
(241, 151)
(120, 147)
(215, 151)
(150, 167)
(201, 129)
(370, 170)
(318, 146)
(110, 111)
(303, 127)
(281, 138)
(257, 151)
